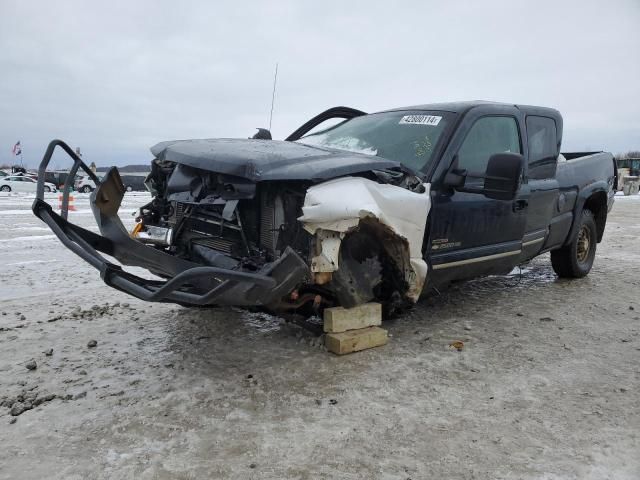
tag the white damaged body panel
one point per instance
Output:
(338, 206)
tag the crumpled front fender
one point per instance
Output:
(334, 208)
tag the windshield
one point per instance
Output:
(409, 137)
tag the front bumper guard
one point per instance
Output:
(186, 283)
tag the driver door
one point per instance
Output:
(473, 235)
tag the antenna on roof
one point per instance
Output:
(273, 95)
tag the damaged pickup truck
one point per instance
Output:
(385, 206)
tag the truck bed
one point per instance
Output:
(581, 175)
(580, 169)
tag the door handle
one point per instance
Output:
(520, 205)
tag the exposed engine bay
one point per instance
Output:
(221, 220)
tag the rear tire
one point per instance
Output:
(86, 189)
(5, 188)
(576, 259)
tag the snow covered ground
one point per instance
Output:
(627, 198)
(32, 255)
(547, 385)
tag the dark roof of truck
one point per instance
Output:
(465, 106)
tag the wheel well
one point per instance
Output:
(597, 204)
(375, 240)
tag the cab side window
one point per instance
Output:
(542, 142)
(489, 135)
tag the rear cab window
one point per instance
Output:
(542, 140)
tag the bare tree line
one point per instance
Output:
(629, 154)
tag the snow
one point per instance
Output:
(173, 392)
(30, 262)
(29, 250)
(620, 197)
(30, 238)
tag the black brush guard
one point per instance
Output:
(187, 283)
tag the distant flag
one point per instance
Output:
(17, 149)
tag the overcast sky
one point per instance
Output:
(116, 77)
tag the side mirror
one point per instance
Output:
(503, 176)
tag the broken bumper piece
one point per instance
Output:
(195, 285)
(185, 283)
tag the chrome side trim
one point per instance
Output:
(476, 259)
(531, 242)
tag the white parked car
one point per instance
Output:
(85, 185)
(23, 183)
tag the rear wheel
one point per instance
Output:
(86, 189)
(129, 188)
(5, 188)
(576, 259)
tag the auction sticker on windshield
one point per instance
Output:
(421, 119)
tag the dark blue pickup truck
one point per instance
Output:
(351, 207)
